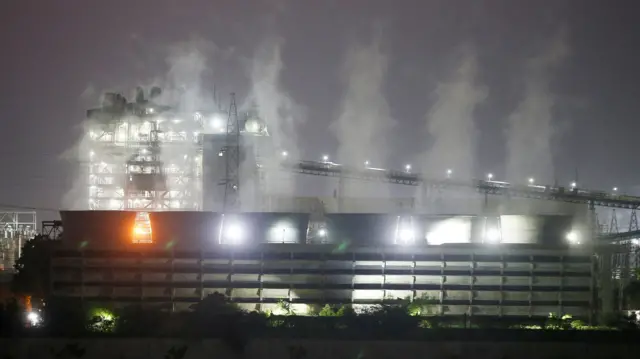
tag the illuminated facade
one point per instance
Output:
(143, 156)
(260, 259)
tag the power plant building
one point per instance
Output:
(157, 230)
(466, 264)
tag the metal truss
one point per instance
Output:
(232, 160)
(550, 193)
(52, 229)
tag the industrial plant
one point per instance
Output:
(177, 209)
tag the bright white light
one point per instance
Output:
(492, 235)
(33, 318)
(325, 158)
(366, 163)
(217, 122)
(449, 172)
(220, 154)
(573, 237)
(406, 235)
(453, 230)
(234, 232)
(144, 151)
(285, 154)
(615, 189)
(322, 232)
(114, 204)
(531, 180)
(573, 184)
(490, 175)
(407, 167)
(91, 153)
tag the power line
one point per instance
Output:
(30, 208)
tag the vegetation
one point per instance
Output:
(217, 316)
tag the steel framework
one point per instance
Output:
(232, 160)
(143, 156)
(15, 228)
(553, 193)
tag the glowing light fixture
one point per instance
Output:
(573, 237)
(234, 232)
(490, 176)
(33, 318)
(322, 232)
(406, 235)
(492, 235)
(531, 180)
(325, 158)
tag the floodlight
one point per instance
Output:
(234, 232)
(490, 176)
(492, 235)
(407, 167)
(322, 232)
(285, 153)
(615, 189)
(325, 158)
(217, 122)
(573, 237)
(33, 318)
(366, 163)
(406, 235)
(573, 184)
(449, 172)
(531, 180)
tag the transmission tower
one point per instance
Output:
(613, 225)
(633, 222)
(232, 160)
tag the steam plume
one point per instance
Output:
(530, 126)
(183, 89)
(450, 121)
(365, 121)
(278, 110)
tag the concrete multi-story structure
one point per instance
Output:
(467, 264)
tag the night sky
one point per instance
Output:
(59, 56)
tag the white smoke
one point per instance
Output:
(531, 128)
(451, 123)
(280, 113)
(364, 123)
(186, 87)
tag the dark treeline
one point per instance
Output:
(217, 317)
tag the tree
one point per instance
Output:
(33, 268)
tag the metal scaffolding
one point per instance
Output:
(15, 228)
(144, 156)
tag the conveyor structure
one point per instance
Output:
(543, 192)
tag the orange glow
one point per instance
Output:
(142, 229)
